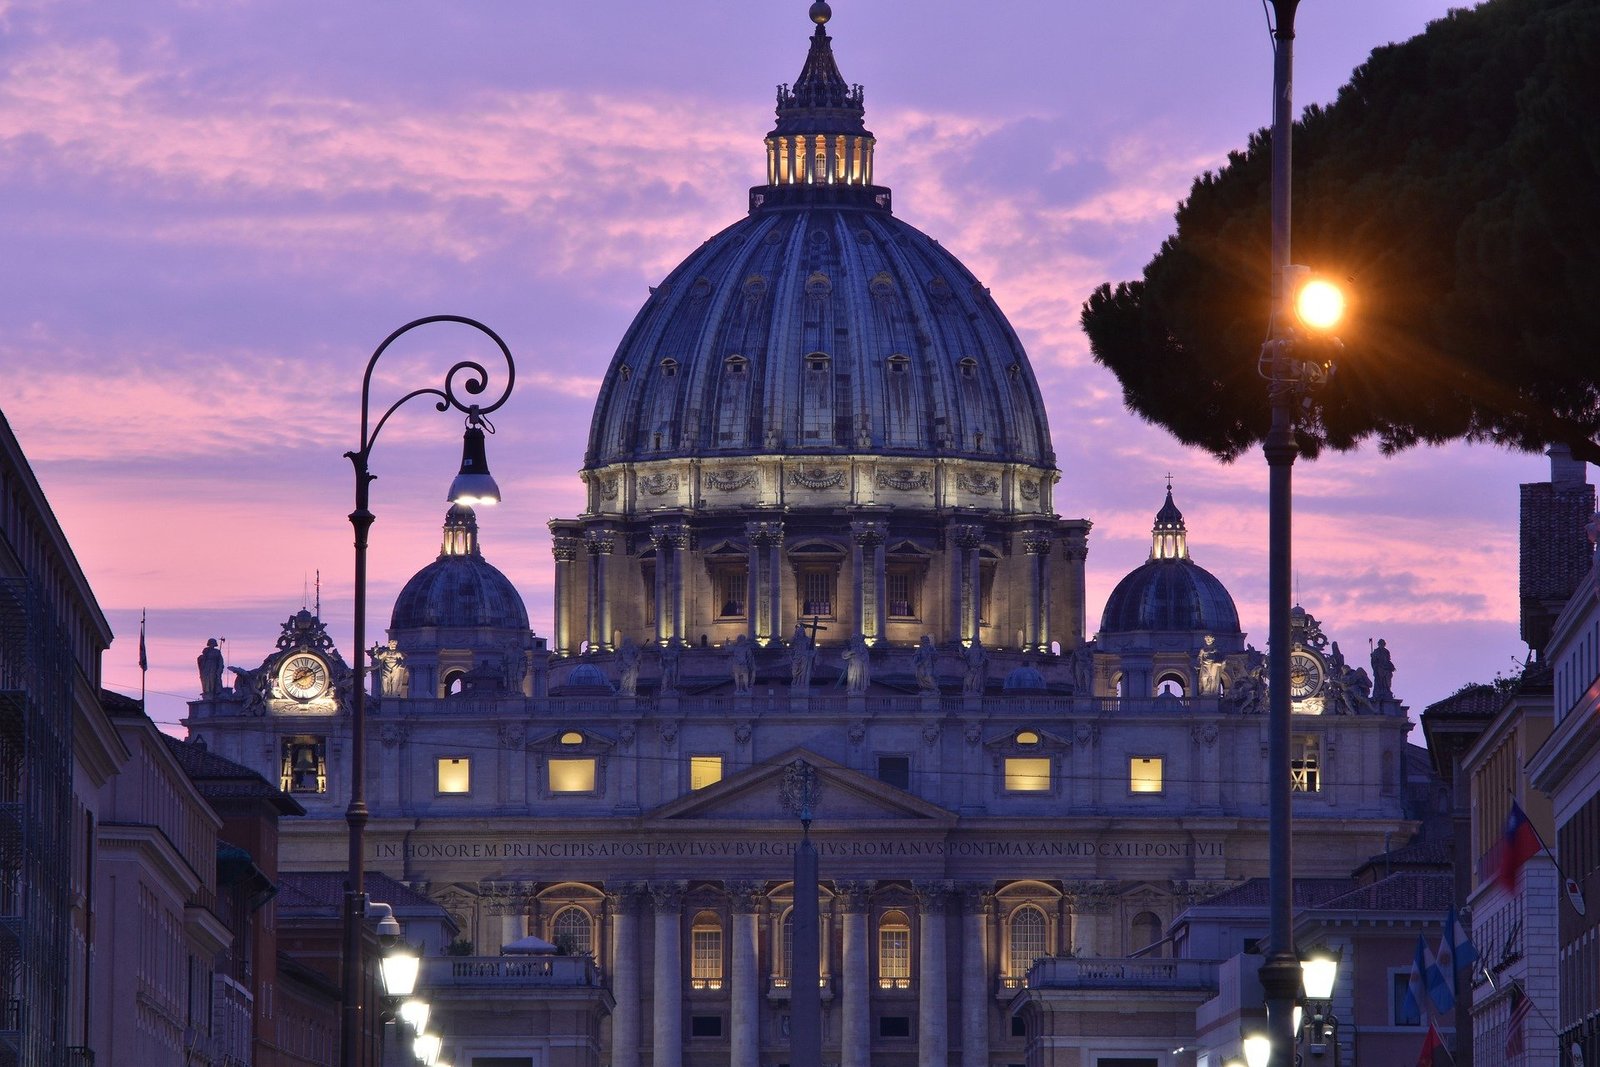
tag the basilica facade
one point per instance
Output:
(822, 535)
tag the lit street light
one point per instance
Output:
(473, 485)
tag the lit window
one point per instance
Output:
(572, 737)
(894, 951)
(571, 775)
(705, 947)
(1027, 737)
(816, 591)
(1305, 765)
(903, 587)
(732, 584)
(1027, 774)
(455, 774)
(304, 768)
(1144, 774)
(704, 771)
(1027, 930)
(572, 931)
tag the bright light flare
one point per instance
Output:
(1319, 304)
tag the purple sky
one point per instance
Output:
(213, 210)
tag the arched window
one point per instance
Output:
(1146, 929)
(1027, 929)
(573, 931)
(786, 946)
(894, 951)
(705, 951)
(1172, 685)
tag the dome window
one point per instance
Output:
(669, 367)
(817, 361)
(625, 372)
(899, 363)
(736, 364)
(571, 737)
(969, 367)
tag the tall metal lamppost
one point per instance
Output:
(1296, 312)
(472, 486)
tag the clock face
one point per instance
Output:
(303, 677)
(1306, 674)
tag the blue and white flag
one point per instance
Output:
(1414, 1007)
(1457, 956)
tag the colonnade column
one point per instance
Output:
(680, 593)
(765, 539)
(745, 1039)
(600, 543)
(1036, 547)
(967, 589)
(623, 967)
(867, 537)
(565, 550)
(933, 998)
(658, 541)
(667, 990)
(975, 974)
(855, 1025)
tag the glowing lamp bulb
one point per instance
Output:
(1319, 304)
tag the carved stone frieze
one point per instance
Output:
(1204, 734)
(393, 733)
(856, 732)
(1029, 489)
(817, 478)
(903, 481)
(932, 896)
(667, 896)
(660, 482)
(730, 479)
(852, 896)
(606, 486)
(741, 732)
(977, 484)
(510, 735)
(747, 897)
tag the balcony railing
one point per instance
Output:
(443, 972)
(1057, 973)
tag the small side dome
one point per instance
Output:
(1170, 591)
(588, 675)
(460, 589)
(1024, 679)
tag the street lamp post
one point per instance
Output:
(1280, 973)
(472, 486)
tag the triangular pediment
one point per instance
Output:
(753, 795)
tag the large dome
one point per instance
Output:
(1170, 591)
(460, 589)
(820, 324)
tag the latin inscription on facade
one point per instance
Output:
(1066, 848)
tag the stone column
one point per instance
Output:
(680, 593)
(658, 541)
(565, 550)
(667, 989)
(933, 1000)
(623, 966)
(855, 1026)
(976, 972)
(600, 543)
(765, 620)
(880, 575)
(752, 587)
(967, 538)
(745, 1039)
(775, 577)
(1036, 546)
(867, 537)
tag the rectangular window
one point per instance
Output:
(705, 1026)
(894, 957)
(895, 771)
(454, 774)
(571, 775)
(704, 771)
(1399, 981)
(732, 584)
(894, 1026)
(1027, 774)
(1305, 764)
(901, 587)
(1144, 774)
(705, 963)
(816, 592)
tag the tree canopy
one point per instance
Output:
(1455, 182)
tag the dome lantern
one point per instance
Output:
(1169, 539)
(820, 137)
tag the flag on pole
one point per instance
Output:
(144, 660)
(1519, 843)
(1457, 956)
(1441, 983)
(1434, 1054)
(1414, 1010)
(1516, 1040)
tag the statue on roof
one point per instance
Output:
(391, 676)
(1211, 663)
(857, 665)
(923, 662)
(977, 661)
(210, 664)
(802, 658)
(1382, 672)
(744, 664)
(628, 667)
